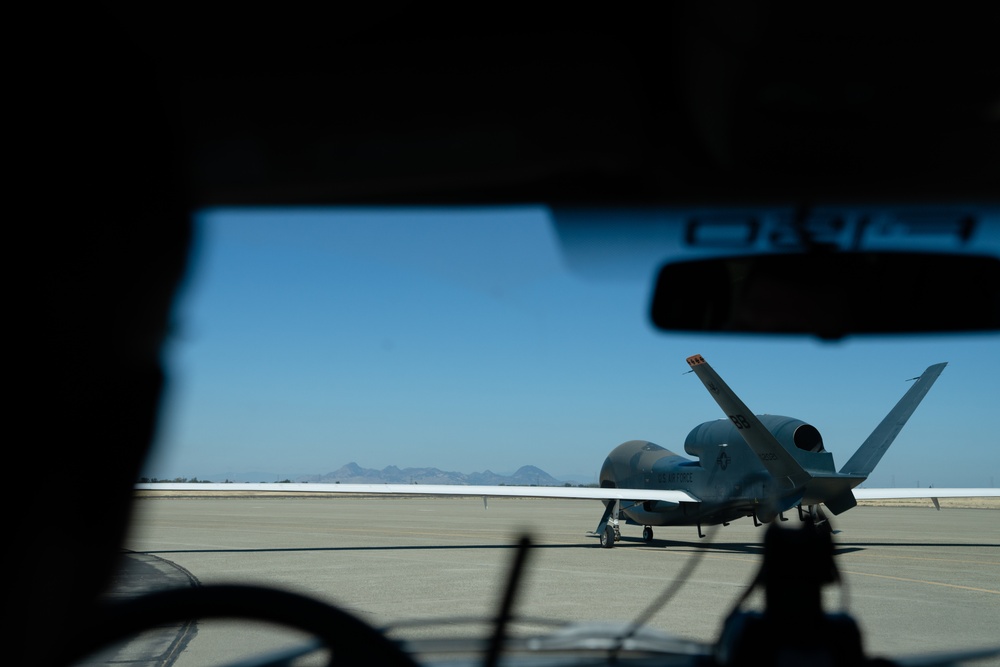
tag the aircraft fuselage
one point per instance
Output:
(726, 475)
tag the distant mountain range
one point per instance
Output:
(352, 473)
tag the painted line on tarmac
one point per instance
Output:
(922, 581)
(924, 558)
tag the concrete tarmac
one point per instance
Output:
(917, 580)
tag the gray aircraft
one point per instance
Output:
(746, 465)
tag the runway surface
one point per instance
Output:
(917, 580)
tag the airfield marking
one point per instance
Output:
(881, 576)
(922, 581)
(489, 533)
(940, 560)
(394, 533)
(708, 556)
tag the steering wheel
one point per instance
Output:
(350, 640)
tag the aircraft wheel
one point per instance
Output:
(647, 534)
(608, 537)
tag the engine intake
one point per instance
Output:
(807, 438)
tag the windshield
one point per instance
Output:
(463, 346)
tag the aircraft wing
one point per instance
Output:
(582, 493)
(929, 492)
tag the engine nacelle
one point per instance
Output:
(703, 441)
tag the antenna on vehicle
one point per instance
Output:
(792, 598)
(504, 615)
(664, 597)
(672, 588)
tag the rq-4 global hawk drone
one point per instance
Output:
(747, 465)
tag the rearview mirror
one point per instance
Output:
(830, 294)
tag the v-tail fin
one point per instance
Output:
(874, 447)
(787, 472)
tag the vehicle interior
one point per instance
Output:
(130, 119)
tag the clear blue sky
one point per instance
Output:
(458, 339)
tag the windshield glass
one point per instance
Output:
(461, 346)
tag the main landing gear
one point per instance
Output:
(818, 517)
(607, 529)
(610, 535)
